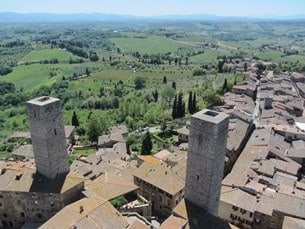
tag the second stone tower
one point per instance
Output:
(206, 157)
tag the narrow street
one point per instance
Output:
(255, 115)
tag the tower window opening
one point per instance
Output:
(55, 133)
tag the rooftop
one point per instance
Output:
(293, 223)
(25, 180)
(162, 154)
(290, 205)
(108, 186)
(170, 180)
(69, 130)
(184, 130)
(210, 116)
(41, 101)
(149, 159)
(26, 135)
(87, 213)
(25, 151)
(237, 197)
(173, 222)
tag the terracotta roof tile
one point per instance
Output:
(162, 176)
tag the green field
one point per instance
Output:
(276, 56)
(270, 55)
(33, 76)
(47, 54)
(207, 56)
(149, 45)
(30, 76)
(294, 58)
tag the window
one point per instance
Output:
(55, 133)
(5, 215)
(197, 177)
(22, 214)
(1, 196)
(1, 204)
(242, 211)
(231, 216)
(39, 216)
(251, 214)
(234, 208)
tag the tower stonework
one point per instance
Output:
(206, 157)
(48, 136)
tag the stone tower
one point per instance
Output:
(48, 136)
(206, 157)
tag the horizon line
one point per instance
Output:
(159, 15)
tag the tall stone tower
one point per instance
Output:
(206, 157)
(48, 136)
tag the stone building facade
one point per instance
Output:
(162, 185)
(206, 154)
(48, 136)
(26, 197)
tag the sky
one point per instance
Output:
(159, 7)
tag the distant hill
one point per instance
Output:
(9, 17)
(48, 17)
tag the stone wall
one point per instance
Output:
(17, 208)
(20, 207)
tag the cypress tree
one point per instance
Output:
(75, 121)
(155, 95)
(174, 112)
(194, 106)
(190, 103)
(179, 106)
(225, 85)
(174, 85)
(147, 144)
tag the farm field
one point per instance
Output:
(47, 54)
(149, 45)
(30, 77)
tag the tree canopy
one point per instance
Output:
(139, 82)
